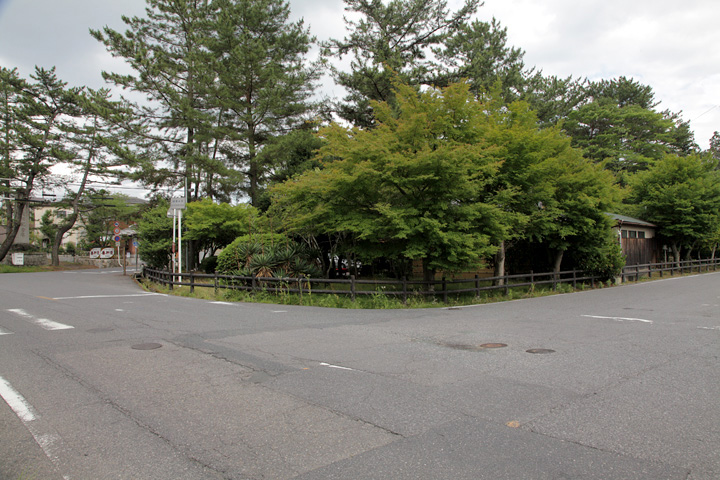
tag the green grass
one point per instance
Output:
(43, 268)
(377, 300)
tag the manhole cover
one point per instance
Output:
(540, 350)
(146, 346)
(493, 345)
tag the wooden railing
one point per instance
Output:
(403, 289)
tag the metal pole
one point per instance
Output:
(174, 252)
(180, 243)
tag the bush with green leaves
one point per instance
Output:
(606, 261)
(282, 258)
(209, 264)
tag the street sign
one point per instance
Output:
(107, 252)
(95, 253)
(135, 243)
(117, 224)
(116, 238)
(177, 203)
(117, 230)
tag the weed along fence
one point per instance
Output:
(443, 289)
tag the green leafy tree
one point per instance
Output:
(390, 38)
(48, 227)
(681, 195)
(615, 121)
(213, 226)
(167, 50)
(99, 211)
(98, 153)
(478, 52)
(155, 232)
(264, 83)
(412, 187)
(223, 77)
(714, 150)
(36, 116)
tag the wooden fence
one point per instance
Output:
(403, 289)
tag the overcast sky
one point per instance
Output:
(673, 46)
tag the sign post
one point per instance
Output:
(177, 205)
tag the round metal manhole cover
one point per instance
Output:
(493, 345)
(540, 350)
(146, 346)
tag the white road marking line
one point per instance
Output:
(335, 366)
(16, 402)
(279, 311)
(5, 332)
(619, 319)
(49, 442)
(709, 328)
(222, 303)
(43, 322)
(109, 296)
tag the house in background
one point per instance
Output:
(638, 240)
(58, 214)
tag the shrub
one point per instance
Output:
(209, 264)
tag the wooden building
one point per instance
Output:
(638, 240)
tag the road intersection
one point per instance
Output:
(104, 380)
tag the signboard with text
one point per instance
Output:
(177, 203)
(107, 252)
(95, 253)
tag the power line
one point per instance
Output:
(708, 111)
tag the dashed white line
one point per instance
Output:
(5, 332)
(16, 402)
(619, 319)
(50, 442)
(222, 303)
(42, 322)
(709, 328)
(336, 366)
(109, 296)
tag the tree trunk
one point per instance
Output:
(428, 275)
(558, 260)
(57, 241)
(499, 270)
(14, 223)
(676, 254)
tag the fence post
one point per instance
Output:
(574, 279)
(532, 281)
(637, 273)
(192, 282)
(555, 279)
(477, 285)
(300, 288)
(215, 283)
(253, 283)
(404, 287)
(444, 290)
(172, 280)
(507, 287)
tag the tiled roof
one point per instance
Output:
(633, 221)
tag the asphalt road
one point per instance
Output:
(102, 380)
